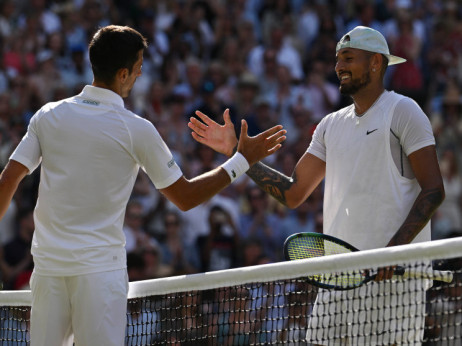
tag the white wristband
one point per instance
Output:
(236, 166)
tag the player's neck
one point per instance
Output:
(366, 98)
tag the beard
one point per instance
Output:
(356, 84)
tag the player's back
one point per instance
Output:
(88, 172)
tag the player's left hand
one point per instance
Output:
(221, 138)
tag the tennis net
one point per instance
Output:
(275, 304)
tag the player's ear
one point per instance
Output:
(376, 62)
(122, 75)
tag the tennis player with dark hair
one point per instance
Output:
(90, 149)
(382, 179)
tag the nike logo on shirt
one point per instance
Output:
(369, 132)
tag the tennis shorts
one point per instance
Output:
(378, 313)
(89, 310)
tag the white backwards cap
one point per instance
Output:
(370, 40)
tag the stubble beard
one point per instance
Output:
(355, 85)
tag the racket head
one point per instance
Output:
(311, 245)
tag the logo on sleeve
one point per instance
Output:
(171, 163)
(233, 173)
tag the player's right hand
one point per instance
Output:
(262, 145)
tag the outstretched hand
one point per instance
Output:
(262, 145)
(221, 138)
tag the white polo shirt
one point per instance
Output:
(91, 149)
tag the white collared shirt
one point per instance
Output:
(91, 149)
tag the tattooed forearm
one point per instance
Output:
(421, 212)
(271, 181)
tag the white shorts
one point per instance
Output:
(384, 313)
(90, 308)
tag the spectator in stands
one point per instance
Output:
(8, 224)
(301, 220)
(287, 55)
(15, 258)
(286, 96)
(248, 89)
(136, 267)
(7, 18)
(202, 159)
(174, 252)
(191, 86)
(217, 74)
(365, 16)
(141, 324)
(259, 223)
(47, 76)
(145, 193)
(233, 59)
(294, 330)
(252, 252)
(78, 73)
(268, 78)
(234, 326)
(408, 78)
(448, 218)
(154, 106)
(219, 248)
(154, 266)
(324, 95)
(210, 102)
(263, 115)
(135, 235)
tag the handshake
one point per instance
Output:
(247, 150)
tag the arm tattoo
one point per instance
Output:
(271, 181)
(421, 212)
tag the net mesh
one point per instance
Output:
(274, 304)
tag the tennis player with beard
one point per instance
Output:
(382, 185)
(90, 149)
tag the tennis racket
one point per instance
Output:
(311, 245)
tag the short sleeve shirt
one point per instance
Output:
(90, 149)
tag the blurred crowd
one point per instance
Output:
(268, 61)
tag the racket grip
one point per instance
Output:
(437, 275)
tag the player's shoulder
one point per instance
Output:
(344, 112)
(136, 119)
(407, 110)
(56, 104)
(136, 124)
(403, 102)
(48, 108)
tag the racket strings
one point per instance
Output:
(312, 247)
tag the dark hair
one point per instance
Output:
(384, 64)
(114, 47)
